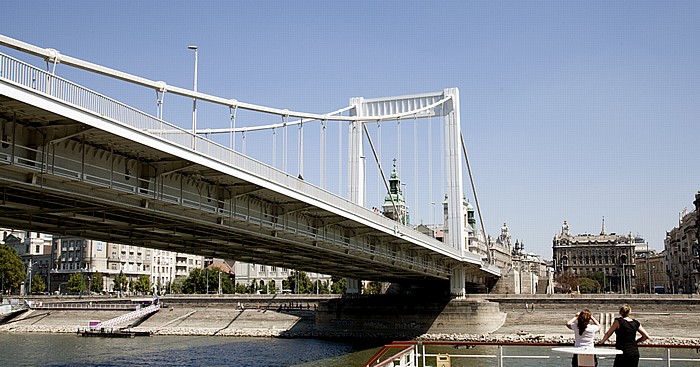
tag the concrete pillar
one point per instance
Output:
(457, 282)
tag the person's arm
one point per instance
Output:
(594, 321)
(612, 329)
(644, 334)
(571, 322)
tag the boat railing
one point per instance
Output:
(418, 354)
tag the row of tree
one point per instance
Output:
(590, 282)
(199, 281)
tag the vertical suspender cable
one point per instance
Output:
(244, 143)
(301, 150)
(284, 143)
(323, 155)
(274, 147)
(340, 158)
(379, 147)
(415, 158)
(430, 165)
(398, 137)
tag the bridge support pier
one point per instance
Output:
(458, 282)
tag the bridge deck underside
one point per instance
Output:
(227, 218)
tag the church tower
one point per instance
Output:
(400, 213)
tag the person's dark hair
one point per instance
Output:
(584, 317)
(625, 310)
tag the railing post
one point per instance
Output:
(500, 356)
(423, 354)
(668, 357)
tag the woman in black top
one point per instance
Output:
(626, 329)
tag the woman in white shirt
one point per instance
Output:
(585, 326)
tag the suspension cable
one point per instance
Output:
(379, 166)
(471, 179)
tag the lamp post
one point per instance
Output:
(648, 269)
(194, 100)
(434, 224)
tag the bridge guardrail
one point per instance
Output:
(415, 353)
(45, 83)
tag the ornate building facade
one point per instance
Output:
(682, 247)
(609, 253)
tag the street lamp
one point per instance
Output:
(194, 100)
(434, 224)
(648, 269)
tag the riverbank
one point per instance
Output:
(668, 324)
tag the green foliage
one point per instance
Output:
(373, 288)
(321, 287)
(143, 284)
(242, 289)
(565, 282)
(196, 282)
(588, 285)
(12, 271)
(598, 276)
(96, 282)
(178, 285)
(76, 283)
(38, 285)
(298, 282)
(271, 287)
(338, 285)
(121, 284)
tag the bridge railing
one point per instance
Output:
(418, 354)
(40, 81)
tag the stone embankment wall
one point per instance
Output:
(407, 317)
(512, 318)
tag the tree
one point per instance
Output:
(38, 286)
(195, 282)
(96, 282)
(588, 285)
(298, 282)
(178, 284)
(565, 282)
(320, 287)
(373, 288)
(121, 284)
(598, 276)
(76, 283)
(12, 270)
(339, 285)
(143, 284)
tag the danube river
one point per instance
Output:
(71, 350)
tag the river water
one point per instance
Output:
(179, 351)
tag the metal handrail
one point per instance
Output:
(415, 352)
(30, 77)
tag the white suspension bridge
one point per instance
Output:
(77, 162)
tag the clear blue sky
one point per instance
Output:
(573, 110)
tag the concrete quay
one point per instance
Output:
(669, 319)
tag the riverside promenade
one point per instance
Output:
(670, 319)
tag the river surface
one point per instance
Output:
(180, 351)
